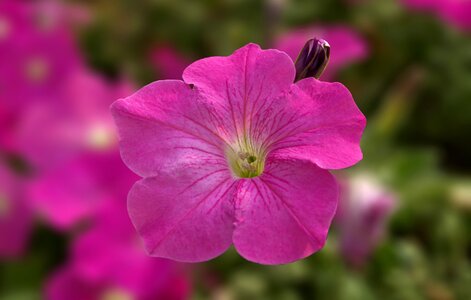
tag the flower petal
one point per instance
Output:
(241, 83)
(164, 124)
(66, 284)
(284, 214)
(325, 125)
(185, 214)
(16, 215)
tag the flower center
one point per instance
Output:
(36, 70)
(116, 294)
(247, 160)
(100, 137)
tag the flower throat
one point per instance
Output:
(246, 160)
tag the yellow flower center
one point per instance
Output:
(116, 294)
(246, 160)
(100, 137)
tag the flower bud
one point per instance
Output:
(312, 59)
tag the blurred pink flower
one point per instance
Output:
(80, 122)
(236, 153)
(36, 57)
(167, 62)
(16, 217)
(364, 210)
(455, 12)
(56, 12)
(107, 262)
(75, 190)
(347, 46)
(54, 112)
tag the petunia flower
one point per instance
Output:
(364, 210)
(107, 262)
(72, 192)
(36, 57)
(16, 217)
(36, 53)
(237, 154)
(454, 12)
(76, 122)
(347, 46)
(74, 157)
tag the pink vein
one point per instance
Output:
(200, 150)
(222, 196)
(171, 126)
(292, 214)
(232, 111)
(188, 214)
(206, 128)
(205, 176)
(261, 195)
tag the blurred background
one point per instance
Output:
(402, 230)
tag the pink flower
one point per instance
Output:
(236, 153)
(70, 13)
(347, 46)
(364, 210)
(36, 56)
(74, 155)
(36, 53)
(455, 12)
(167, 62)
(107, 261)
(77, 121)
(73, 191)
(16, 217)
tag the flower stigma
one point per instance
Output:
(246, 160)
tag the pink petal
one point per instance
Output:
(325, 126)
(454, 12)
(76, 121)
(16, 226)
(16, 215)
(65, 284)
(284, 215)
(166, 124)
(457, 13)
(185, 213)
(423, 4)
(240, 84)
(109, 252)
(364, 211)
(67, 195)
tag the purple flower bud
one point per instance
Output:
(312, 59)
